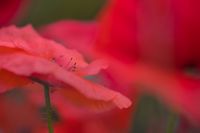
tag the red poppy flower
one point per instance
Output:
(26, 55)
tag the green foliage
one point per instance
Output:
(47, 11)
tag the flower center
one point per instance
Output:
(68, 64)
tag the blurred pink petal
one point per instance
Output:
(64, 57)
(94, 67)
(72, 34)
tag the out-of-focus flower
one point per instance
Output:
(156, 44)
(10, 9)
(26, 56)
(150, 45)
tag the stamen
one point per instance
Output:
(68, 64)
(53, 59)
(73, 67)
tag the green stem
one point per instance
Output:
(48, 108)
(171, 124)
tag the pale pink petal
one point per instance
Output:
(80, 35)
(27, 39)
(28, 65)
(94, 67)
